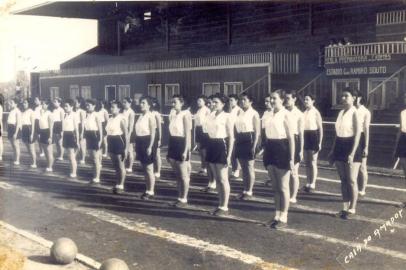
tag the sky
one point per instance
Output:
(35, 43)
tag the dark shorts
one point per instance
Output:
(244, 143)
(26, 134)
(92, 139)
(401, 148)
(343, 149)
(141, 146)
(57, 130)
(116, 145)
(311, 140)
(11, 130)
(297, 149)
(176, 148)
(276, 153)
(198, 134)
(69, 140)
(216, 151)
(44, 135)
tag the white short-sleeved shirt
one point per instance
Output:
(363, 113)
(344, 125)
(26, 117)
(403, 120)
(90, 121)
(275, 125)
(217, 125)
(176, 124)
(68, 123)
(244, 121)
(113, 126)
(101, 114)
(44, 119)
(142, 127)
(296, 116)
(310, 119)
(266, 118)
(37, 112)
(12, 116)
(201, 115)
(56, 114)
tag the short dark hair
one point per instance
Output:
(70, 102)
(203, 97)
(128, 99)
(311, 96)
(247, 95)
(234, 96)
(117, 103)
(58, 99)
(293, 93)
(91, 101)
(281, 93)
(147, 99)
(155, 104)
(180, 97)
(223, 98)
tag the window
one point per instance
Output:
(385, 94)
(170, 90)
(74, 91)
(339, 85)
(232, 88)
(86, 92)
(210, 89)
(123, 92)
(53, 92)
(110, 92)
(155, 90)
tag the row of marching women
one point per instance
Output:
(84, 127)
(229, 132)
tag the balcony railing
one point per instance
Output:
(280, 63)
(381, 48)
(391, 17)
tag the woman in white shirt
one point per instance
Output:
(14, 129)
(211, 185)
(158, 137)
(297, 127)
(70, 137)
(234, 110)
(118, 141)
(219, 150)
(37, 112)
(346, 152)
(79, 114)
(45, 124)
(365, 117)
(92, 132)
(313, 138)
(129, 116)
(279, 154)
(28, 131)
(264, 119)
(247, 132)
(145, 132)
(1, 126)
(103, 116)
(58, 114)
(200, 118)
(180, 127)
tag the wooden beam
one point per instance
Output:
(118, 38)
(168, 29)
(229, 25)
(311, 19)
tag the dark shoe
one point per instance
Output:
(342, 214)
(279, 225)
(147, 196)
(271, 223)
(179, 204)
(118, 190)
(220, 213)
(209, 190)
(246, 197)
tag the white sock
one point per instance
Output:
(149, 192)
(223, 208)
(182, 200)
(284, 217)
(120, 186)
(352, 211)
(313, 186)
(277, 215)
(248, 193)
(346, 205)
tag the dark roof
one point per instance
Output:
(83, 9)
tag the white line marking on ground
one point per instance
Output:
(48, 244)
(145, 228)
(221, 250)
(331, 180)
